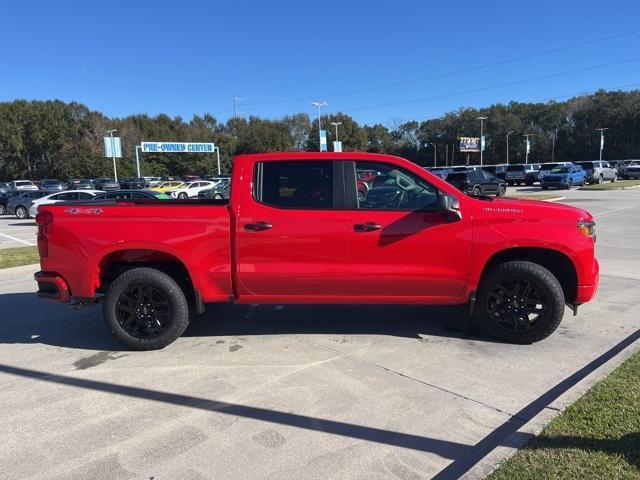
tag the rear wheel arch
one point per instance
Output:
(114, 264)
(558, 263)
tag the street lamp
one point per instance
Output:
(435, 151)
(336, 124)
(508, 133)
(601, 140)
(482, 119)
(113, 153)
(319, 104)
(526, 158)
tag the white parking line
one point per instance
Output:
(31, 244)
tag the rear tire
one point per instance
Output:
(146, 309)
(519, 302)
(22, 213)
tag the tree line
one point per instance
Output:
(54, 139)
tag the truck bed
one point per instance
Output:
(87, 237)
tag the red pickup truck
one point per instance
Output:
(297, 229)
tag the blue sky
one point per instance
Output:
(378, 61)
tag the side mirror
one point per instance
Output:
(449, 203)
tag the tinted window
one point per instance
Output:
(389, 187)
(295, 184)
(515, 168)
(68, 196)
(84, 196)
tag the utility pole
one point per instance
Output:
(446, 155)
(319, 104)
(601, 140)
(553, 145)
(236, 101)
(528, 146)
(482, 119)
(508, 133)
(113, 154)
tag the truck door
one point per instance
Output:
(291, 232)
(400, 245)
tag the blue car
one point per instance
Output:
(565, 176)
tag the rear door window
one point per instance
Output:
(298, 184)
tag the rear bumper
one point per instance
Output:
(52, 287)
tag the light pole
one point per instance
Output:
(435, 151)
(553, 145)
(319, 104)
(113, 154)
(526, 158)
(482, 119)
(508, 133)
(138, 148)
(217, 149)
(336, 124)
(601, 140)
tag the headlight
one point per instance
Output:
(588, 229)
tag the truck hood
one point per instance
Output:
(518, 208)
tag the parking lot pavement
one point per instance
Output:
(17, 233)
(300, 391)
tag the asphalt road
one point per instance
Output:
(301, 392)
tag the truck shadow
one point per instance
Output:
(25, 320)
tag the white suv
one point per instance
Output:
(191, 189)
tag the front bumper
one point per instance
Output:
(52, 287)
(588, 291)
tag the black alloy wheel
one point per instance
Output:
(146, 309)
(143, 311)
(516, 305)
(569, 184)
(519, 302)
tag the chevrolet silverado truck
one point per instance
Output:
(296, 229)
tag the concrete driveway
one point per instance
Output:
(301, 392)
(17, 233)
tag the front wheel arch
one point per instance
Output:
(557, 262)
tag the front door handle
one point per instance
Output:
(366, 227)
(258, 226)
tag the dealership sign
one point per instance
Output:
(469, 144)
(177, 147)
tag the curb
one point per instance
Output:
(591, 189)
(534, 426)
(19, 271)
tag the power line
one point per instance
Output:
(492, 87)
(455, 72)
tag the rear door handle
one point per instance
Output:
(366, 227)
(258, 226)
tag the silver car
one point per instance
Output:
(598, 171)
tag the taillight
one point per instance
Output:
(43, 220)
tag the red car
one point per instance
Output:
(294, 230)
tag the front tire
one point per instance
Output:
(146, 309)
(476, 192)
(520, 302)
(183, 196)
(502, 190)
